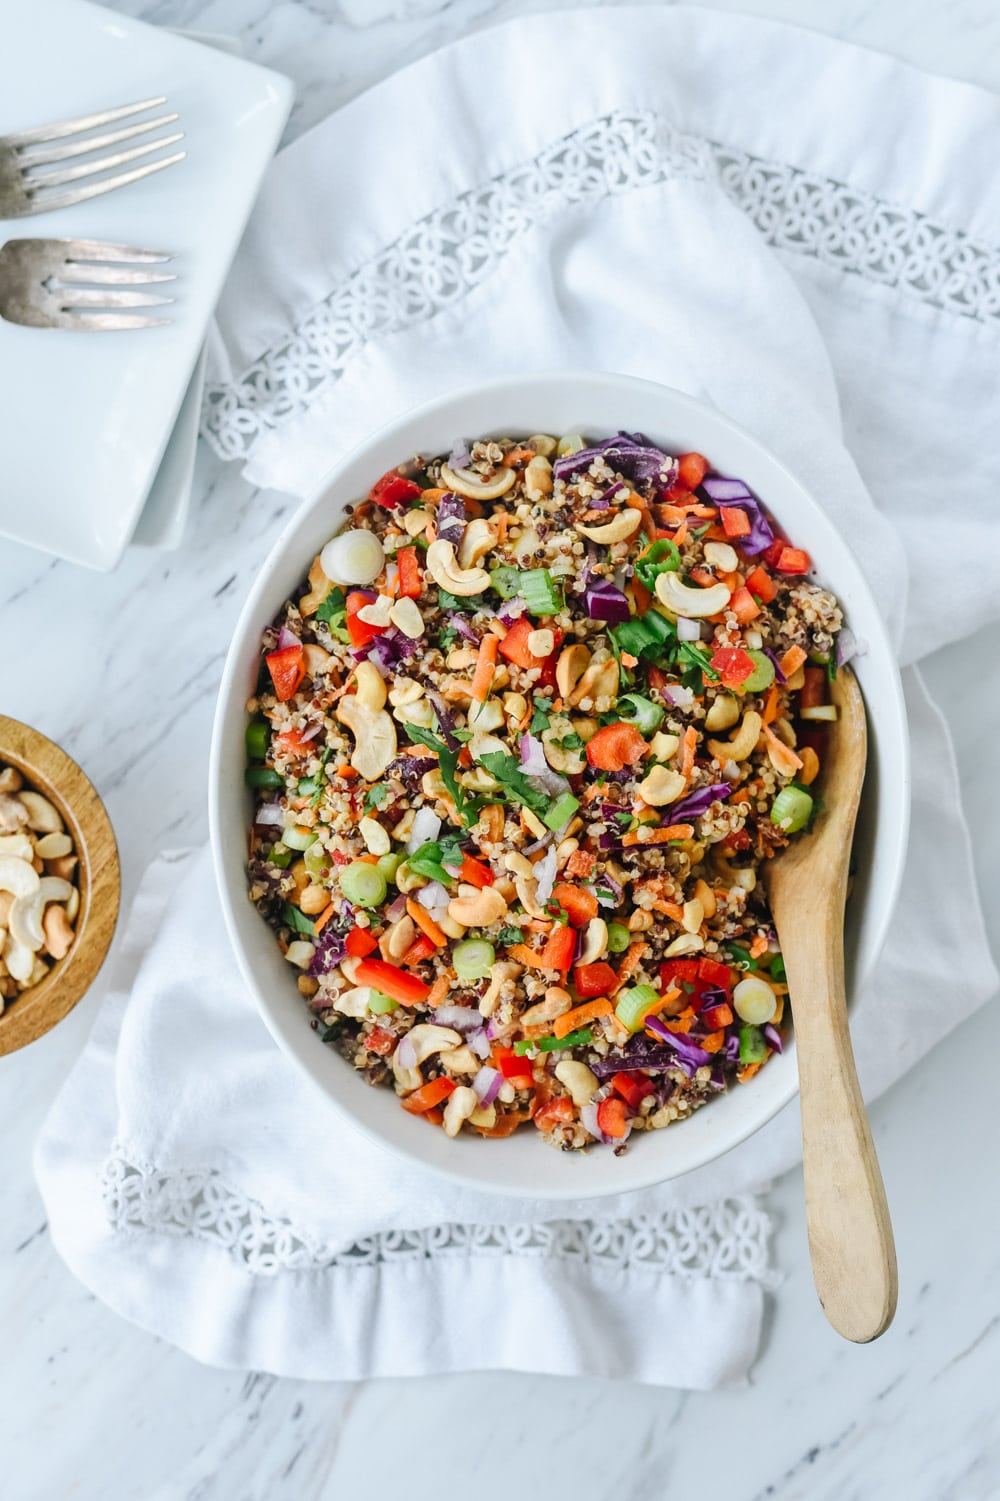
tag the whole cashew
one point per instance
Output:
(477, 909)
(466, 482)
(479, 539)
(426, 1039)
(581, 1082)
(595, 941)
(693, 604)
(42, 816)
(444, 569)
(370, 686)
(556, 1003)
(462, 1102)
(742, 743)
(625, 525)
(506, 970)
(723, 712)
(374, 736)
(573, 663)
(661, 786)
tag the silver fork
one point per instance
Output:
(79, 284)
(25, 189)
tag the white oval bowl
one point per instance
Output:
(596, 405)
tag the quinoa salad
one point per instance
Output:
(519, 747)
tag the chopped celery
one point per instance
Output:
(561, 811)
(298, 838)
(540, 592)
(763, 673)
(364, 885)
(381, 1005)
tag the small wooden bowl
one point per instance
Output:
(52, 773)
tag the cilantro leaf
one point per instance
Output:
(335, 604)
(516, 785)
(510, 935)
(377, 796)
(467, 807)
(540, 718)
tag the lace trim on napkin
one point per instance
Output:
(448, 252)
(729, 1238)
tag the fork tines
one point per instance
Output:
(92, 280)
(39, 154)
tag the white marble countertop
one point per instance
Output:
(94, 1409)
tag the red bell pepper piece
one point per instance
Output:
(292, 743)
(559, 950)
(761, 585)
(517, 1070)
(359, 631)
(718, 975)
(475, 873)
(691, 470)
(714, 1017)
(554, 1112)
(743, 605)
(287, 668)
(633, 1089)
(735, 523)
(594, 979)
(428, 1095)
(380, 1041)
(359, 943)
(420, 949)
(393, 489)
(678, 972)
(813, 691)
(787, 559)
(733, 665)
(409, 573)
(514, 647)
(612, 1116)
(409, 990)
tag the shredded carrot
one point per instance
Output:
(485, 665)
(687, 755)
(523, 955)
(792, 660)
(344, 770)
(518, 456)
(580, 1015)
(536, 924)
(647, 523)
(680, 535)
(634, 955)
(784, 757)
(669, 909)
(660, 1004)
(324, 918)
(660, 836)
(714, 1042)
(758, 947)
(424, 921)
(641, 595)
(748, 1071)
(770, 705)
(438, 990)
(501, 521)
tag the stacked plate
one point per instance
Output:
(98, 429)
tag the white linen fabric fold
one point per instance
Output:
(784, 225)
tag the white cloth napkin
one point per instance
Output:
(785, 225)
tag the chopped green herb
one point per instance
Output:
(377, 796)
(297, 921)
(317, 795)
(447, 637)
(579, 1039)
(698, 657)
(510, 935)
(540, 718)
(466, 807)
(468, 604)
(508, 773)
(540, 592)
(663, 557)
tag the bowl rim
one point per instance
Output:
(279, 1021)
(40, 1008)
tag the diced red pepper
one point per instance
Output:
(409, 573)
(691, 469)
(633, 1089)
(579, 904)
(739, 840)
(420, 949)
(743, 605)
(359, 943)
(360, 631)
(291, 743)
(559, 950)
(715, 974)
(475, 873)
(761, 585)
(514, 647)
(735, 522)
(428, 1095)
(517, 1070)
(393, 489)
(657, 678)
(380, 1041)
(733, 665)
(788, 559)
(678, 972)
(594, 979)
(554, 1112)
(813, 692)
(714, 1017)
(612, 1117)
(287, 668)
(409, 990)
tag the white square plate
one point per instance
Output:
(85, 417)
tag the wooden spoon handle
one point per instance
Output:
(847, 1217)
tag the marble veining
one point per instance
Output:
(123, 670)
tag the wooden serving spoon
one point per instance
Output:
(847, 1217)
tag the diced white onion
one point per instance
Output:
(426, 826)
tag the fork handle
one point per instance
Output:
(847, 1217)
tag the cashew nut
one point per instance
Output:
(370, 686)
(405, 615)
(397, 939)
(527, 894)
(573, 663)
(485, 716)
(693, 916)
(684, 943)
(580, 1081)
(42, 816)
(693, 604)
(720, 555)
(485, 1116)
(460, 1061)
(58, 933)
(541, 642)
(374, 736)
(556, 1003)
(18, 877)
(477, 909)
(538, 478)
(479, 539)
(663, 745)
(426, 1039)
(742, 743)
(19, 846)
(595, 941)
(445, 570)
(501, 973)
(314, 659)
(661, 786)
(415, 522)
(462, 1102)
(599, 681)
(20, 961)
(467, 482)
(704, 894)
(624, 525)
(11, 780)
(405, 691)
(13, 814)
(723, 712)
(313, 900)
(375, 836)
